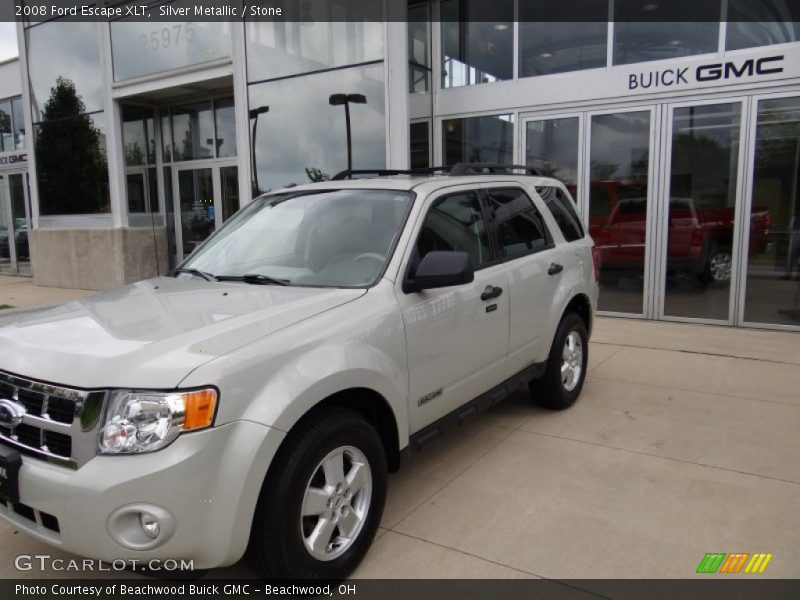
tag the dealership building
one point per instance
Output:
(125, 144)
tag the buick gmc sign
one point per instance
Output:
(718, 71)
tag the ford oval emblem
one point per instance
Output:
(11, 413)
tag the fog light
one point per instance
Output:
(150, 525)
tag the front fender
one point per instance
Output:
(302, 384)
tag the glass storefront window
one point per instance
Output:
(71, 163)
(225, 121)
(556, 46)
(139, 143)
(552, 148)
(300, 110)
(419, 47)
(702, 210)
(327, 34)
(477, 41)
(18, 120)
(488, 139)
(420, 145)
(6, 127)
(642, 31)
(754, 23)
(618, 205)
(166, 135)
(138, 136)
(772, 293)
(193, 131)
(68, 51)
(143, 48)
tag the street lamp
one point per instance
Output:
(346, 99)
(254, 112)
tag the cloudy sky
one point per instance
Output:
(8, 40)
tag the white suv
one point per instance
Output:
(255, 399)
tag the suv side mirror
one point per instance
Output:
(440, 269)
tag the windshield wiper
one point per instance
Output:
(197, 273)
(254, 278)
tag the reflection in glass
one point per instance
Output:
(229, 182)
(754, 23)
(166, 135)
(5, 235)
(479, 139)
(300, 110)
(193, 131)
(326, 34)
(6, 127)
(169, 206)
(71, 163)
(143, 48)
(551, 147)
(558, 47)
(648, 31)
(69, 51)
(772, 292)
(477, 41)
(20, 222)
(420, 145)
(138, 136)
(419, 47)
(196, 192)
(19, 124)
(225, 119)
(618, 204)
(702, 210)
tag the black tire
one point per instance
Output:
(276, 549)
(549, 390)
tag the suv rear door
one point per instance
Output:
(535, 269)
(457, 337)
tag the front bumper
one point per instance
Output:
(208, 481)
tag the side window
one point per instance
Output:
(520, 226)
(563, 211)
(456, 223)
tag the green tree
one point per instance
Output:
(70, 160)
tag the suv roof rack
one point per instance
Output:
(465, 168)
(349, 173)
(461, 168)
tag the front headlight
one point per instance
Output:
(146, 421)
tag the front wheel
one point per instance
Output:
(563, 379)
(322, 500)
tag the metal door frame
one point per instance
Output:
(215, 165)
(663, 194)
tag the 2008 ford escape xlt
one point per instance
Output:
(254, 401)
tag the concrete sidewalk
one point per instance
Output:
(21, 292)
(685, 441)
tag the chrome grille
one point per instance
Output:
(60, 424)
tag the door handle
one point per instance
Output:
(491, 292)
(554, 269)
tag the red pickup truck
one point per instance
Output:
(700, 239)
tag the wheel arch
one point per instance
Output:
(582, 306)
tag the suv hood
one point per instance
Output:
(151, 334)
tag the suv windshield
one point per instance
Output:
(337, 238)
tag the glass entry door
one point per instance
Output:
(15, 223)
(206, 196)
(700, 207)
(619, 193)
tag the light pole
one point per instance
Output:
(346, 99)
(254, 112)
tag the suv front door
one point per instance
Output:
(457, 336)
